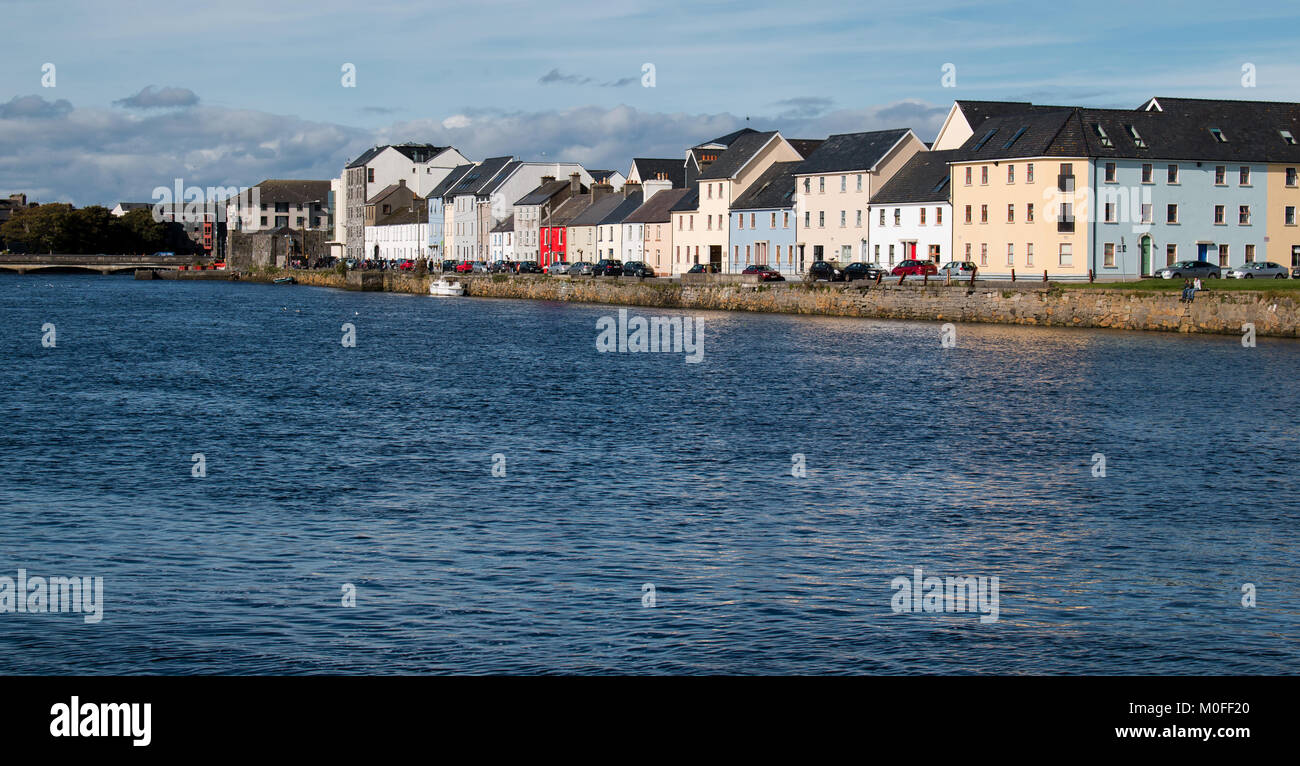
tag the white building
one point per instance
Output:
(911, 215)
(420, 166)
(401, 235)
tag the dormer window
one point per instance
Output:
(984, 140)
(1218, 135)
(1287, 137)
(1101, 135)
(1137, 139)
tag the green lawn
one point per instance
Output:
(1176, 285)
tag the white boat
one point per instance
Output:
(443, 287)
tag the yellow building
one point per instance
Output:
(1283, 215)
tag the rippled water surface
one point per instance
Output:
(373, 466)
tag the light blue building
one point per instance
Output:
(434, 201)
(763, 223)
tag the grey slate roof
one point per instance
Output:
(384, 192)
(594, 213)
(923, 179)
(773, 189)
(567, 210)
(451, 180)
(849, 152)
(600, 176)
(649, 168)
(627, 207)
(728, 139)
(688, 201)
(741, 151)
(414, 152)
(805, 146)
(507, 225)
(656, 209)
(292, 191)
(479, 177)
(501, 177)
(542, 193)
(402, 215)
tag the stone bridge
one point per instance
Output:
(102, 264)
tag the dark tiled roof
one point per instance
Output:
(656, 209)
(507, 225)
(806, 146)
(451, 180)
(413, 152)
(847, 152)
(479, 177)
(689, 201)
(773, 189)
(728, 139)
(594, 213)
(384, 192)
(403, 215)
(649, 168)
(501, 177)
(627, 207)
(1029, 134)
(741, 151)
(923, 179)
(293, 192)
(567, 210)
(600, 176)
(542, 193)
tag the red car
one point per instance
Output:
(915, 267)
(407, 265)
(765, 273)
(464, 267)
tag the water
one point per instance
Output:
(373, 466)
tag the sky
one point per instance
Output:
(104, 102)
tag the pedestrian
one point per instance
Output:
(1187, 286)
(1196, 285)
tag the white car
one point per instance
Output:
(556, 267)
(1257, 270)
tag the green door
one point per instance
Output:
(1146, 256)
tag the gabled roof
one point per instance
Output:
(449, 181)
(501, 177)
(413, 152)
(600, 176)
(741, 151)
(567, 210)
(507, 225)
(773, 189)
(542, 193)
(805, 146)
(402, 215)
(595, 212)
(1029, 134)
(649, 168)
(292, 191)
(924, 178)
(849, 152)
(726, 140)
(656, 209)
(688, 202)
(479, 177)
(387, 190)
(627, 207)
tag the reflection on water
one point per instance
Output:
(372, 466)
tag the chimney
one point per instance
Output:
(575, 184)
(401, 182)
(654, 186)
(600, 190)
(548, 179)
(630, 188)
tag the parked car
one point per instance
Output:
(501, 267)
(958, 269)
(556, 267)
(637, 269)
(407, 265)
(914, 267)
(764, 272)
(449, 265)
(828, 271)
(1295, 273)
(464, 267)
(528, 267)
(1257, 270)
(580, 268)
(1189, 269)
(860, 270)
(607, 267)
(702, 268)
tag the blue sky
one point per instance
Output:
(245, 90)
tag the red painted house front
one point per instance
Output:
(553, 244)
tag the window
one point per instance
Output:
(1011, 174)
(740, 221)
(1108, 255)
(709, 191)
(984, 175)
(370, 175)
(751, 219)
(1218, 135)
(968, 214)
(1220, 175)
(806, 183)
(891, 255)
(984, 213)
(1110, 212)
(1146, 172)
(979, 144)
(969, 170)
(772, 224)
(882, 216)
(1250, 255)
(1173, 174)
(858, 219)
(1171, 254)
(844, 184)
(821, 219)
(1243, 215)
(1029, 173)
(1011, 213)
(1287, 137)
(785, 220)
(1029, 213)
(1101, 135)
(934, 253)
(1011, 254)
(968, 251)
(1029, 253)
(984, 254)
(1223, 255)
(1146, 212)
(859, 182)
(1220, 217)
(898, 217)
(1065, 221)
(1291, 177)
(1171, 214)
(844, 219)
(922, 216)
(1290, 215)
(1110, 172)
(938, 216)
(1137, 139)
(1016, 137)
(877, 253)
(1067, 254)
(821, 185)
(1244, 175)
(807, 219)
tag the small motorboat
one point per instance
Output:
(284, 281)
(444, 287)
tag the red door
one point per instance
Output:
(911, 246)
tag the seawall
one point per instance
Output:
(1274, 313)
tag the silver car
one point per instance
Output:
(556, 267)
(1188, 269)
(580, 268)
(1257, 270)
